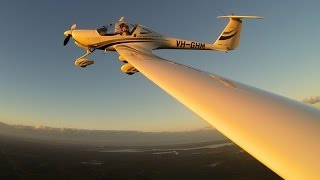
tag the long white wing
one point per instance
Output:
(281, 133)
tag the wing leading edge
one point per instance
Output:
(279, 132)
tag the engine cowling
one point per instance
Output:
(128, 69)
(83, 62)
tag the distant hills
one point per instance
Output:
(109, 137)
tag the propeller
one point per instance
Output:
(66, 40)
(68, 34)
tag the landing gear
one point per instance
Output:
(129, 69)
(84, 62)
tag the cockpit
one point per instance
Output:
(117, 28)
(122, 28)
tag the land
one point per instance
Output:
(25, 158)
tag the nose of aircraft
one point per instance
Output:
(81, 36)
(67, 33)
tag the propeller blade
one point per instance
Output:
(66, 40)
(73, 27)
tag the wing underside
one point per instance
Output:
(281, 133)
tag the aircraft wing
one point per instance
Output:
(281, 133)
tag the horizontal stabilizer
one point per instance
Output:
(240, 17)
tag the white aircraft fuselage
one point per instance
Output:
(92, 39)
(121, 32)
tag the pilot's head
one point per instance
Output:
(124, 27)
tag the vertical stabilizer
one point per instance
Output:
(230, 36)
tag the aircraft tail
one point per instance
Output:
(230, 36)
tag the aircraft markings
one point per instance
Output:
(192, 45)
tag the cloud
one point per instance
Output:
(312, 100)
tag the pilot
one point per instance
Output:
(124, 29)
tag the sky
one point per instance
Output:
(39, 84)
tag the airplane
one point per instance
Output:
(122, 32)
(281, 133)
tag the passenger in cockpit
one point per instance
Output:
(124, 29)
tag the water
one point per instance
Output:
(166, 150)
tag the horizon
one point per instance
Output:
(38, 126)
(108, 137)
